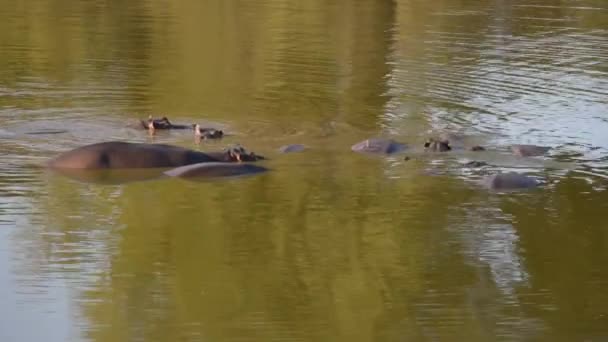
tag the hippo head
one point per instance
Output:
(239, 154)
(437, 145)
(207, 133)
(215, 133)
(162, 123)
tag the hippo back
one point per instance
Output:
(215, 169)
(292, 148)
(378, 145)
(123, 155)
(529, 150)
(510, 181)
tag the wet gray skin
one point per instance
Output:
(378, 146)
(529, 150)
(292, 148)
(124, 155)
(509, 181)
(214, 169)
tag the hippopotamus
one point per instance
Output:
(509, 181)
(475, 164)
(437, 145)
(124, 155)
(378, 145)
(445, 143)
(214, 169)
(292, 148)
(207, 133)
(529, 150)
(162, 123)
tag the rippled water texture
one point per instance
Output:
(329, 244)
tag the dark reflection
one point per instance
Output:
(569, 219)
(110, 176)
(252, 257)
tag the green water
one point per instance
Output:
(329, 245)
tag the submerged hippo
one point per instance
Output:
(292, 148)
(529, 150)
(437, 145)
(215, 169)
(510, 181)
(124, 155)
(207, 133)
(449, 142)
(162, 123)
(378, 145)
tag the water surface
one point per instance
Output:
(329, 245)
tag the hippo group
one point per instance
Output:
(164, 124)
(186, 163)
(500, 181)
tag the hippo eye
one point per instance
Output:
(427, 144)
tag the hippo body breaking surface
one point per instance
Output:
(162, 123)
(124, 155)
(215, 169)
(529, 150)
(291, 148)
(437, 145)
(510, 181)
(379, 146)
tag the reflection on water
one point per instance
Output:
(329, 244)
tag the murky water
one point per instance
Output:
(329, 245)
